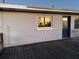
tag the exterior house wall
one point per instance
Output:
(1, 22)
(21, 28)
(74, 32)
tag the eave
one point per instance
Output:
(24, 8)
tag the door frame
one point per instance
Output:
(69, 27)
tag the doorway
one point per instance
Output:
(66, 27)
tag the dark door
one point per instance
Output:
(66, 26)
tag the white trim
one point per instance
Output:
(44, 28)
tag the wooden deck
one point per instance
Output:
(61, 49)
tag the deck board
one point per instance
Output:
(61, 49)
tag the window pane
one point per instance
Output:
(44, 22)
(77, 23)
(40, 22)
(65, 22)
(47, 22)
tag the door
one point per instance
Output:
(66, 26)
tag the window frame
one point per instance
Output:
(45, 28)
(75, 24)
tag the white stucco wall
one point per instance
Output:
(21, 28)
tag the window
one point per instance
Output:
(44, 22)
(65, 21)
(76, 23)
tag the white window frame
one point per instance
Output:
(45, 28)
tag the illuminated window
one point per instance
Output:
(44, 22)
(65, 22)
(76, 23)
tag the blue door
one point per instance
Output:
(66, 27)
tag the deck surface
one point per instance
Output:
(61, 49)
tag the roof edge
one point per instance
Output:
(28, 8)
